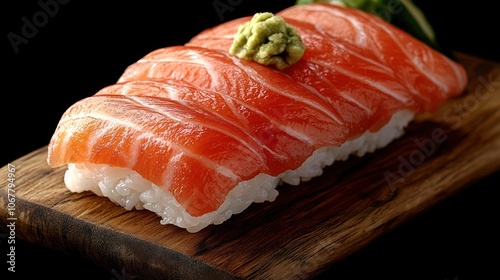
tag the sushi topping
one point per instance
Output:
(268, 40)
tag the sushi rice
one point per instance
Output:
(128, 189)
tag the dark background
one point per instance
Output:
(85, 45)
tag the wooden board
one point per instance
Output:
(306, 229)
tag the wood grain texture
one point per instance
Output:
(306, 229)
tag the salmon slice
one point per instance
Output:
(423, 70)
(170, 143)
(347, 42)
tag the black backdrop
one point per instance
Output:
(54, 56)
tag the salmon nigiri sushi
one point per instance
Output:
(196, 133)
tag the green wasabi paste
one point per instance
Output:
(268, 40)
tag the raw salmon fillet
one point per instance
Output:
(196, 121)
